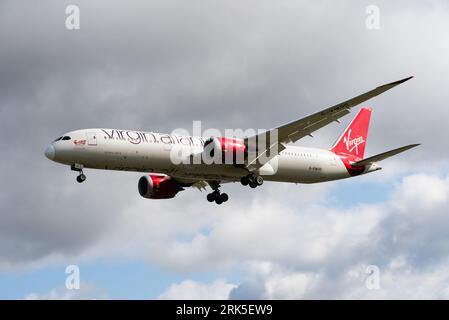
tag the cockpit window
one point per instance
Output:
(63, 138)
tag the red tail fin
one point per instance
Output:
(353, 140)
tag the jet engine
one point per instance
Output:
(158, 186)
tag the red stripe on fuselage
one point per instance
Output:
(347, 159)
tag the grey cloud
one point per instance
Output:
(405, 240)
(157, 65)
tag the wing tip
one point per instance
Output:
(395, 83)
(410, 146)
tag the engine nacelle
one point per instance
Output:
(223, 150)
(158, 186)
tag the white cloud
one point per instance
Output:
(85, 292)
(323, 251)
(421, 192)
(298, 246)
(403, 282)
(273, 230)
(192, 290)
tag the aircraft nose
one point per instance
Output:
(50, 152)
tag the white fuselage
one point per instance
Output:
(129, 150)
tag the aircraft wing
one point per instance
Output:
(383, 156)
(295, 130)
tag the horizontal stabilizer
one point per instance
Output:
(383, 156)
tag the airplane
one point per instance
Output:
(250, 160)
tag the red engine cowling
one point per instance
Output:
(158, 186)
(226, 150)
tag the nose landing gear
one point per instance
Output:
(79, 168)
(81, 177)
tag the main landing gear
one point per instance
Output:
(216, 195)
(79, 168)
(252, 180)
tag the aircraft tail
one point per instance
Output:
(353, 139)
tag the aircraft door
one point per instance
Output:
(91, 138)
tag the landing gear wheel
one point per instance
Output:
(251, 179)
(224, 197)
(210, 197)
(259, 180)
(218, 200)
(244, 180)
(81, 178)
(253, 185)
(213, 196)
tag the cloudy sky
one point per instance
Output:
(159, 65)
